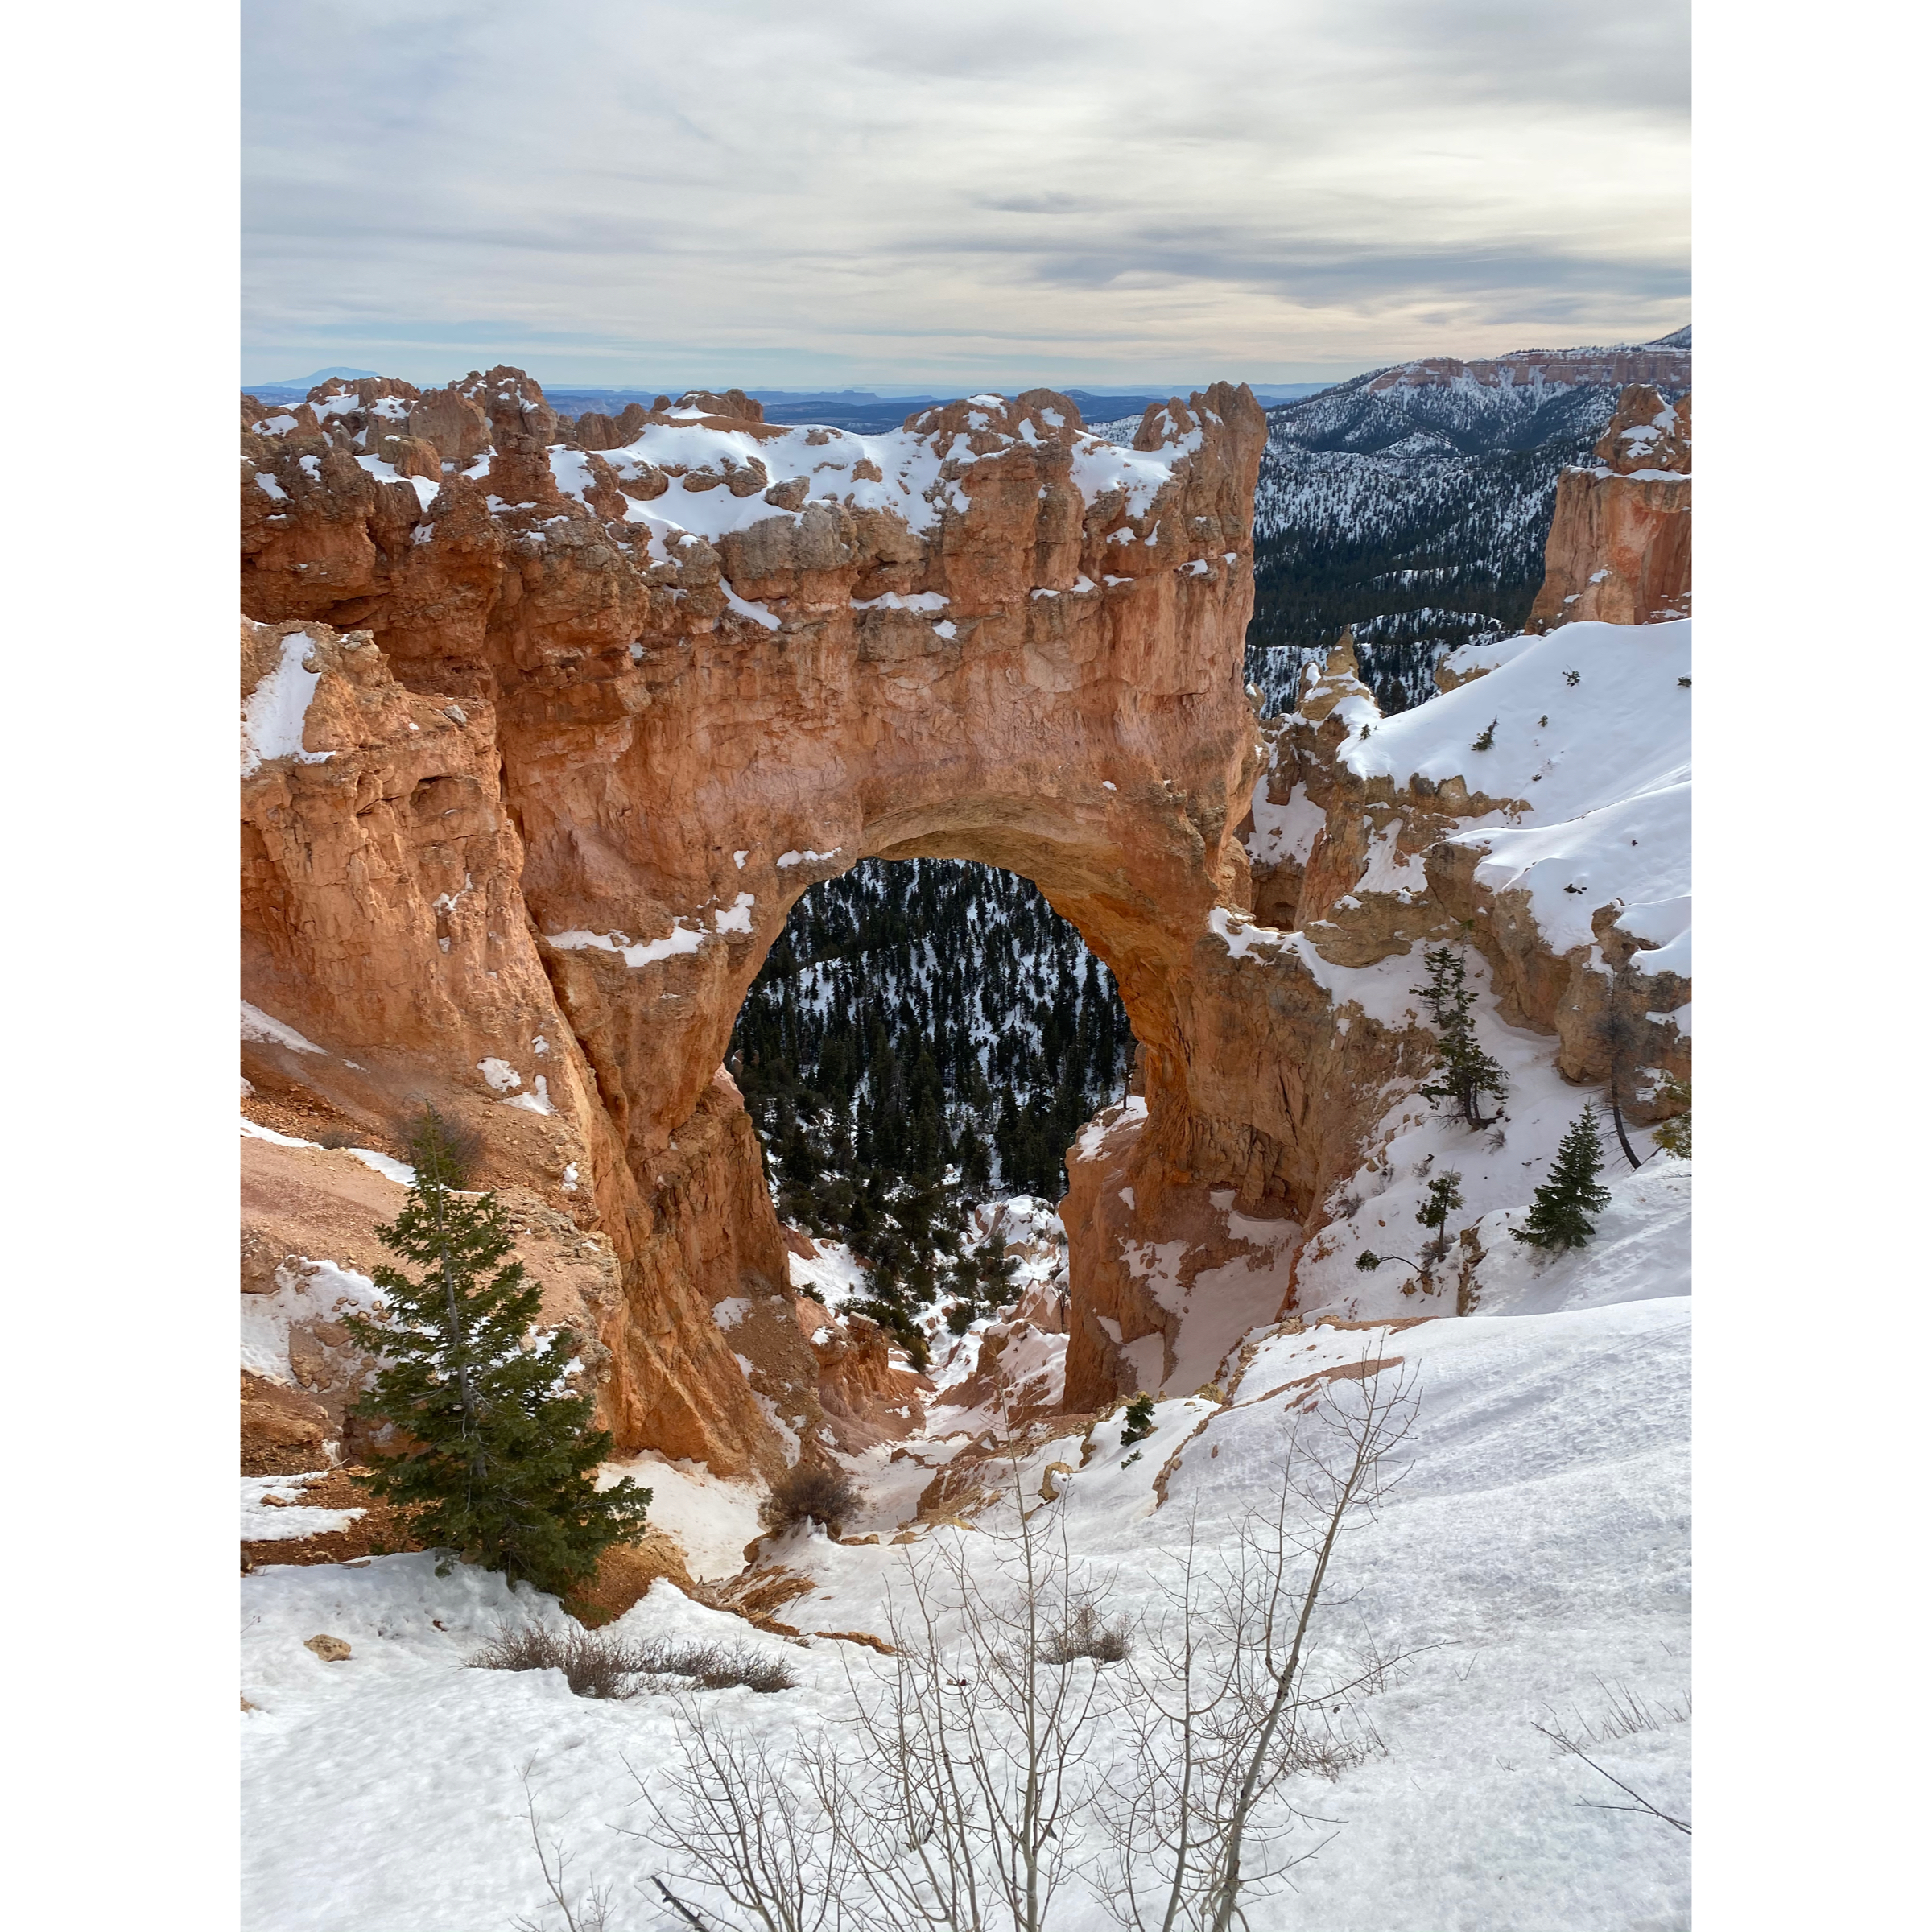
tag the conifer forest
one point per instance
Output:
(926, 1034)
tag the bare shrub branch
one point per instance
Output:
(1087, 1633)
(591, 1911)
(997, 1730)
(1568, 1744)
(755, 1840)
(812, 1492)
(593, 1665)
(983, 1733)
(600, 1664)
(1231, 1703)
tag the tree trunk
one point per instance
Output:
(1616, 1114)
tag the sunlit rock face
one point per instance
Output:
(665, 685)
(1620, 544)
(549, 725)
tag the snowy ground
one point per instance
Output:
(1539, 1542)
(1500, 1168)
(712, 1518)
(286, 1518)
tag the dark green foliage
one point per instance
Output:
(1416, 555)
(1367, 1262)
(1444, 1197)
(1560, 1209)
(1140, 1420)
(923, 1036)
(1486, 741)
(1464, 1072)
(982, 1280)
(499, 1463)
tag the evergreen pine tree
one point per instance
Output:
(1464, 1072)
(997, 1268)
(976, 1169)
(1445, 1196)
(1139, 1420)
(500, 1467)
(1560, 1209)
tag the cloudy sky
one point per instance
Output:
(876, 191)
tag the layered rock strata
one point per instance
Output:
(547, 726)
(1620, 541)
(544, 748)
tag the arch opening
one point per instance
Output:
(924, 1039)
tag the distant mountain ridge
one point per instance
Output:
(295, 388)
(866, 412)
(1411, 503)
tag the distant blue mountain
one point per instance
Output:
(295, 387)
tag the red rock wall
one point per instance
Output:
(665, 725)
(1619, 550)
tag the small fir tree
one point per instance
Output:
(1464, 1072)
(1561, 1208)
(500, 1464)
(1444, 1197)
(1140, 1420)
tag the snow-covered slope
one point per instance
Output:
(1583, 852)
(1535, 1553)
(1591, 731)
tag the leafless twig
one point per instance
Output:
(593, 1911)
(1640, 1803)
(1231, 1703)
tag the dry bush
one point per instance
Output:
(599, 1664)
(1626, 1714)
(1323, 1750)
(1084, 1634)
(715, 1666)
(816, 1492)
(593, 1665)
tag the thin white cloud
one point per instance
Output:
(699, 190)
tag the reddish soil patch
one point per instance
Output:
(381, 1531)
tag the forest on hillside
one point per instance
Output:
(926, 1034)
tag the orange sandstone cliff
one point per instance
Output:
(573, 728)
(546, 727)
(1620, 543)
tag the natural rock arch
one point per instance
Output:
(544, 832)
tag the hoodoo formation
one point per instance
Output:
(1619, 546)
(547, 725)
